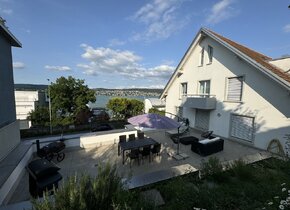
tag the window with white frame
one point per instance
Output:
(210, 54)
(234, 88)
(201, 61)
(204, 88)
(183, 89)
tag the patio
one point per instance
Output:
(87, 160)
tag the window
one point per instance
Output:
(242, 127)
(210, 54)
(235, 88)
(183, 90)
(204, 88)
(201, 56)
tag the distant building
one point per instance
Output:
(154, 103)
(236, 92)
(26, 101)
(9, 127)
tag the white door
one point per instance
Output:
(242, 127)
(202, 119)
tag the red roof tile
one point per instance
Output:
(258, 57)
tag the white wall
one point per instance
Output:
(147, 105)
(283, 63)
(25, 102)
(263, 98)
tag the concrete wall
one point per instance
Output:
(262, 99)
(9, 138)
(7, 104)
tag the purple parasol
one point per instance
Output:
(155, 121)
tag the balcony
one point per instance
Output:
(199, 101)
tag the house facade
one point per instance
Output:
(9, 127)
(27, 101)
(238, 93)
(153, 103)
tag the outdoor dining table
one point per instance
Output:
(135, 144)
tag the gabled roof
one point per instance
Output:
(13, 41)
(258, 60)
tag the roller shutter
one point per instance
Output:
(235, 87)
(242, 127)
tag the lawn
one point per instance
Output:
(258, 186)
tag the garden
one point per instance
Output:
(262, 185)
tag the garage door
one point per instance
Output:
(242, 127)
(202, 119)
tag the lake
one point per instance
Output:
(102, 100)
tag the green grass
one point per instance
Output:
(241, 187)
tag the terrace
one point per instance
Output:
(85, 158)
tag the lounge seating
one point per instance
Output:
(208, 146)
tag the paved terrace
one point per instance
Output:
(79, 160)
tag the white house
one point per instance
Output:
(25, 102)
(9, 127)
(238, 93)
(154, 103)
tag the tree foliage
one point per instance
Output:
(39, 116)
(124, 108)
(156, 111)
(69, 97)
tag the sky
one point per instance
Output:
(132, 43)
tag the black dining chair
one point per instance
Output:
(155, 151)
(140, 135)
(132, 137)
(122, 138)
(133, 155)
(145, 152)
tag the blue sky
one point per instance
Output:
(132, 43)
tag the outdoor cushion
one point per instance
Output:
(206, 141)
(208, 148)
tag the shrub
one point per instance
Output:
(241, 170)
(101, 192)
(212, 169)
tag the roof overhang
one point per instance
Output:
(200, 35)
(251, 61)
(13, 40)
(179, 68)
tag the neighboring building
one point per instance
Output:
(9, 127)
(238, 93)
(154, 103)
(26, 101)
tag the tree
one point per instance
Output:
(156, 111)
(124, 108)
(39, 116)
(69, 98)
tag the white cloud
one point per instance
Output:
(124, 63)
(18, 65)
(286, 28)
(221, 11)
(135, 86)
(58, 68)
(6, 11)
(161, 19)
(116, 42)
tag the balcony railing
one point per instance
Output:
(199, 101)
